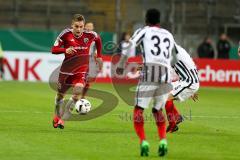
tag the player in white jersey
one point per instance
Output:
(126, 47)
(155, 83)
(184, 88)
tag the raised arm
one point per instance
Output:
(57, 47)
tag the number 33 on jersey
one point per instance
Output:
(156, 43)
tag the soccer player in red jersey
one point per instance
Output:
(74, 43)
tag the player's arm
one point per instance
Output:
(59, 49)
(135, 40)
(98, 43)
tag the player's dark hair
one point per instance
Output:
(78, 17)
(152, 17)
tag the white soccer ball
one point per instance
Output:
(83, 106)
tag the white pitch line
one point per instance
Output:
(128, 115)
(35, 112)
(224, 117)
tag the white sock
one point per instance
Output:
(58, 106)
(70, 104)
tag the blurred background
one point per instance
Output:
(37, 22)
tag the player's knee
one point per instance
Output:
(77, 90)
(79, 85)
(170, 97)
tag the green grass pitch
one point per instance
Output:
(26, 133)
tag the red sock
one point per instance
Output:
(176, 112)
(138, 121)
(160, 122)
(85, 89)
(172, 112)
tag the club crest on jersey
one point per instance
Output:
(85, 40)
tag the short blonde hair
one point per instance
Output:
(78, 17)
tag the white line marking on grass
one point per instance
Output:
(34, 112)
(217, 117)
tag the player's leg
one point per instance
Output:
(143, 97)
(78, 82)
(138, 121)
(173, 115)
(160, 99)
(85, 89)
(161, 125)
(76, 95)
(182, 92)
(59, 99)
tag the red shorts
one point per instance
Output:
(67, 81)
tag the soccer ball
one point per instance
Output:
(83, 106)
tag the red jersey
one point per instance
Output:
(79, 61)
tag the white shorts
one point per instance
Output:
(182, 90)
(146, 91)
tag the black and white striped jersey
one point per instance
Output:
(155, 73)
(185, 66)
(157, 45)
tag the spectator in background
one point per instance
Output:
(125, 45)
(1, 62)
(205, 49)
(223, 47)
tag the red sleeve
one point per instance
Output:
(98, 43)
(57, 48)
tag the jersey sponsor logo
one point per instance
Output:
(177, 87)
(80, 48)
